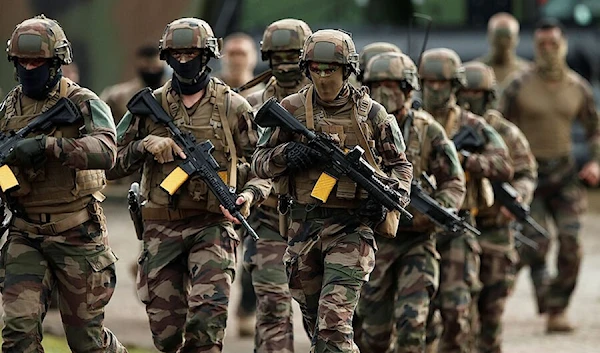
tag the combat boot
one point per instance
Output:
(246, 325)
(558, 322)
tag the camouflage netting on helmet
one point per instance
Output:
(39, 37)
(284, 35)
(370, 50)
(394, 67)
(330, 46)
(479, 76)
(442, 64)
(189, 33)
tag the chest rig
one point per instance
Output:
(53, 188)
(344, 127)
(480, 194)
(207, 122)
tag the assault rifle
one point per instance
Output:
(135, 209)
(337, 164)
(427, 205)
(64, 112)
(199, 159)
(467, 139)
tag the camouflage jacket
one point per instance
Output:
(272, 89)
(545, 113)
(270, 162)
(132, 130)
(118, 95)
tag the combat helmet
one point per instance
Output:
(442, 64)
(190, 33)
(480, 77)
(373, 49)
(330, 46)
(40, 37)
(395, 67)
(284, 35)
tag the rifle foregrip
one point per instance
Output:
(8, 180)
(174, 180)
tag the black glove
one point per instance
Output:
(373, 211)
(300, 156)
(29, 152)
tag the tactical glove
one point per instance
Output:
(29, 152)
(162, 148)
(300, 156)
(373, 211)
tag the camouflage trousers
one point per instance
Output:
(80, 264)
(459, 285)
(564, 204)
(184, 278)
(264, 261)
(497, 274)
(392, 311)
(327, 261)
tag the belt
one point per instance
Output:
(70, 220)
(308, 212)
(165, 214)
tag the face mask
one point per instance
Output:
(188, 70)
(37, 82)
(391, 98)
(287, 73)
(436, 99)
(151, 79)
(474, 105)
(328, 87)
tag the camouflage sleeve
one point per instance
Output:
(390, 146)
(130, 153)
(245, 138)
(524, 164)
(269, 159)
(588, 116)
(94, 150)
(445, 167)
(494, 161)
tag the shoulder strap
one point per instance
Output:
(362, 141)
(310, 121)
(221, 94)
(63, 85)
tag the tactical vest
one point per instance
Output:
(54, 188)
(194, 193)
(342, 128)
(479, 193)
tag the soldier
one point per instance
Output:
(499, 256)
(503, 37)
(442, 75)
(189, 257)
(239, 61)
(544, 101)
(281, 46)
(330, 246)
(150, 72)
(369, 51)
(395, 302)
(58, 233)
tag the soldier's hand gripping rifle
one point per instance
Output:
(505, 194)
(199, 159)
(338, 163)
(439, 215)
(135, 209)
(64, 112)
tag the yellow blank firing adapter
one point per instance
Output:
(8, 181)
(323, 187)
(174, 180)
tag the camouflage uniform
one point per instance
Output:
(118, 95)
(330, 250)
(546, 119)
(459, 279)
(264, 258)
(499, 256)
(395, 302)
(58, 233)
(188, 261)
(368, 52)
